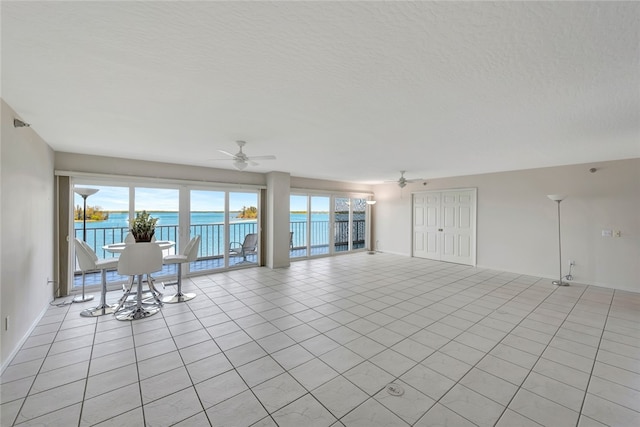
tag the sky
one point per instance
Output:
(110, 198)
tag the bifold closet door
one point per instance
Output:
(444, 226)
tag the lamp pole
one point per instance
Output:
(558, 198)
(85, 192)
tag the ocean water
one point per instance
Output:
(120, 219)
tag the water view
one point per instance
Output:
(209, 225)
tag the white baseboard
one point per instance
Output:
(23, 339)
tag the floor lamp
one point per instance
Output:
(84, 192)
(558, 198)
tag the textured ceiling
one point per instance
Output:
(352, 91)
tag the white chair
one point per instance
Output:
(189, 254)
(137, 260)
(88, 261)
(249, 246)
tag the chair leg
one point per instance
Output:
(83, 297)
(127, 293)
(179, 296)
(138, 311)
(103, 308)
(154, 292)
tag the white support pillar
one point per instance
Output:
(277, 236)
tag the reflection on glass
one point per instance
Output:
(341, 224)
(358, 231)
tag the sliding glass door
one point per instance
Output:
(312, 217)
(107, 215)
(163, 204)
(358, 223)
(243, 229)
(298, 219)
(341, 224)
(319, 225)
(207, 220)
(226, 221)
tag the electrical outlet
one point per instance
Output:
(618, 233)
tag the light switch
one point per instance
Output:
(607, 233)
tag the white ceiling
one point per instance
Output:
(351, 91)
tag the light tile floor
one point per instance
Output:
(317, 344)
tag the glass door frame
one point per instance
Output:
(332, 221)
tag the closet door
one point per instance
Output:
(444, 226)
(426, 220)
(458, 227)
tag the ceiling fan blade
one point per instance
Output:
(252, 163)
(262, 157)
(227, 153)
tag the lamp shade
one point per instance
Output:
(85, 192)
(557, 197)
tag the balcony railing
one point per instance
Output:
(212, 236)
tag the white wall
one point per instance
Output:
(27, 230)
(277, 229)
(127, 167)
(517, 224)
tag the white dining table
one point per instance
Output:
(116, 248)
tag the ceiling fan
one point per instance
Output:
(241, 160)
(402, 181)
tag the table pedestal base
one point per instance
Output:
(179, 297)
(82, 298)
(100, 310)
(136, 312)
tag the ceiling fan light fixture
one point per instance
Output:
(240, 164)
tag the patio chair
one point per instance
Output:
(249, 246)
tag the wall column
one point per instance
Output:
(277, 233)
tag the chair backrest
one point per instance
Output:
(191, 250)
(87, 258)
(250, 242)
(140, 258)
